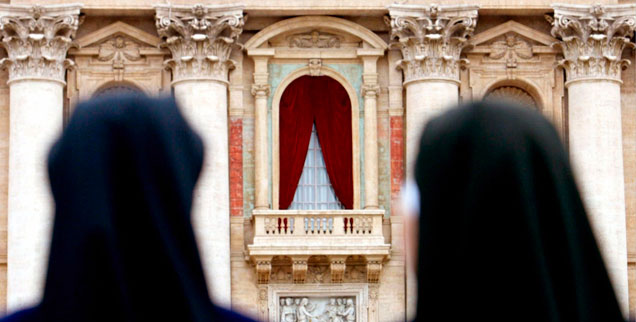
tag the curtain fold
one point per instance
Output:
(323, 101)
(332, 116)
(296, 121)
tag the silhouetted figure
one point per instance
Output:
(123, 248)
(503, 232)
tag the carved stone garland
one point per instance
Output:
(200, 40)
(37, 41)
(593, 40)
(431, 41)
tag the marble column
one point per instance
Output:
(431, 39)
(370, 91)
(260, 90)
(201, 39)
(593, 39)
(36, 39)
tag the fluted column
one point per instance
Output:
(201, 39)
(593, 39)
(431, 39)
(36, 39)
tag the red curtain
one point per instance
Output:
(323, 101)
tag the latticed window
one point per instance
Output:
(314, 189)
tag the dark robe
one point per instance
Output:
(123, 247)
(503, 233)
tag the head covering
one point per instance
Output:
(503, 232)
(123, 248)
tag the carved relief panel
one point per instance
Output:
(515, 62)
(117, 55)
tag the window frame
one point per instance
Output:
(355, 127)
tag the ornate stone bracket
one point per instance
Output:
(337, 266)
(37, 39)
(200, 38)
(593, 39)
(374, 268)
(431, 39)
(314, 66)
(299, 269)
(263, 269)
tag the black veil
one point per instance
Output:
(503, 232)
(123, 248)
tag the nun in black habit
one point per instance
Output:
(123, 248)
(503, 232)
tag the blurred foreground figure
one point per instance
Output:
(123, 248)
(503, 232)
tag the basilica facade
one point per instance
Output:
(311, 112)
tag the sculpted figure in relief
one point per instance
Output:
(288, 310)
(303, 311)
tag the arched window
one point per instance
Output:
(315, 145)
(117, 88)
(514, 94)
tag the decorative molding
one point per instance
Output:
(314, 39)
(37, 39)
(374, 268)
(370, 90)
(200, 38)
(593, 38)
(263, 270)
(260, 90)
(315, 64)
(119, 28)
(299, 270)
(337, 267)
(514, 94)
(431, 39)
(119, 50)
(510, 48)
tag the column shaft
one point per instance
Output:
(424, 100)
(371, 149)
(261, 199)
(35, 121)
(597, 155)
(201, 39)
(204, 104)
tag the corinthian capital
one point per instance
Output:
(431, 38)
(200, 38)
(36, 39)
(593, 38)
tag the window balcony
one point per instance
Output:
(301, 234)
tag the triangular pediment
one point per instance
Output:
(512, 26)
(119, 28)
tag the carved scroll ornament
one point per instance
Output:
(593, 39)
(431, 39)
(37, 40)
(200, 38)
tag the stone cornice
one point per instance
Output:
(593, 38)
(431, 39)
(200, 38)
(37, 39)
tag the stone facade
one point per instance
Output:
(228, 66)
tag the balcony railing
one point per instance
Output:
(318, 232)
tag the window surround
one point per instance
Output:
(355, 126)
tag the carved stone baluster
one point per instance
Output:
(593, 39)
(201, 39)
(36, 39)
